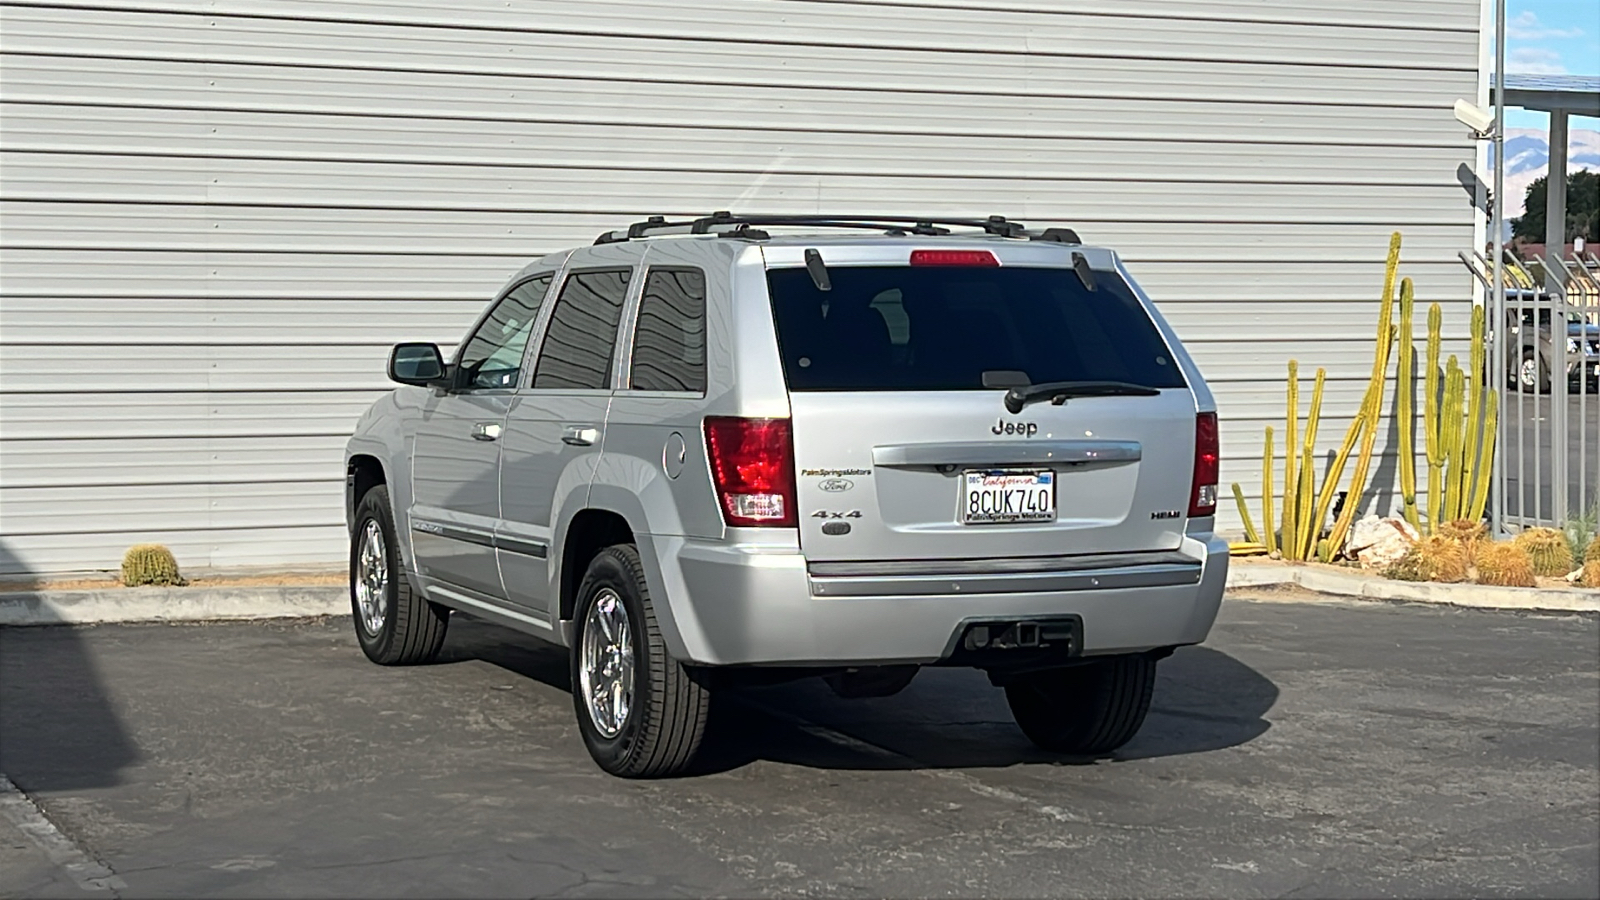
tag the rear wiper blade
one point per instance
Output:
(1058, 392)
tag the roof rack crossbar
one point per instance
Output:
(726, 222)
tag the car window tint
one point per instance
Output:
(582, 335)
(669, 342)
(492, 357)
(940, 328)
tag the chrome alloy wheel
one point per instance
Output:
(605, 670)
(1530, 373)
(372, 578)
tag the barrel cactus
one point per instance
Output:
(1592, 552)
(1465, 532)
(1547, 549)
(1407, 568)
(150, 564)
(1505, 565)
(1434, 558)
(1591, 564)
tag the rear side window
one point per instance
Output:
(582, 335)
(940, 328)
(669, 343)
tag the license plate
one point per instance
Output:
(996, 497)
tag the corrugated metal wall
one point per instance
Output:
(218, 215)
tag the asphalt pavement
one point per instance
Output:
(1308, 749)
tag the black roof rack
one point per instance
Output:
(729, 225)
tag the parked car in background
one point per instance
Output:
(1534, 352)
(708, 453)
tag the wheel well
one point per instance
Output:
(364, 474)
(591, 531)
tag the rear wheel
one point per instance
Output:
(395, 625)
(1088, 709)
(641, 712)
(1533, 376)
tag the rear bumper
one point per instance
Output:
(729, 604)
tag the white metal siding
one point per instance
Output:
(218, 215)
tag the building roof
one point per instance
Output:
(1576, 94)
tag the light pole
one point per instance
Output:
(1497, 303)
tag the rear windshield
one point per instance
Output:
(935, 328)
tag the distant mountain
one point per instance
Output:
(1528, 159)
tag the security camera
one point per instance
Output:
(1480, 120)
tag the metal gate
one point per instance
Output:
(1544, 349)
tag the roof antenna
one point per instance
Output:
(818, 271)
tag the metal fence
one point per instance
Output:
(1544, 348)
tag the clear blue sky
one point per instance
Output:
(1552, 37)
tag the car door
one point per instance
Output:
(556, 427)
(456, 458)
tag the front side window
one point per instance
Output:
(930, 328)
(582, 337)
(669, 342)
(492, 358)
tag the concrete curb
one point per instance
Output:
(152, 604)
(1372, 588)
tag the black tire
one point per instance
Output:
(411, 629)
(1089, 709)
(666, 722)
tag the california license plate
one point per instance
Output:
(991, 497)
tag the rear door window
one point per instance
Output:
(581, 338)
(669, 340)
(940, 328)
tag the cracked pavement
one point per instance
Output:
(1308, 749)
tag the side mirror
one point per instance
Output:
(417, 364)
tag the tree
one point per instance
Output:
(1583, 209)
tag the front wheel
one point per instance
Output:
(641, 712)
(1088, 709)
(395, 625)
(1533, 376)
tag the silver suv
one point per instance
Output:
(751, 448)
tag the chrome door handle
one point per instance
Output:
(486, 431)
(580, 435)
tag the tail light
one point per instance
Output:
(752, 464)
(1203, 489)
(953, 258)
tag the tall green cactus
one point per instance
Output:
(1458, 427)
(1453, 439)
(1404, 416)
(1372, 403)
(1431, 423)
(1266, 495)
(1481, 413)
(1291, 453)
(1250, 532)
(1309, 529)
(1485, 464)
(1459, 419)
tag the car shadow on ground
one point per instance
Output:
(947, 719)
